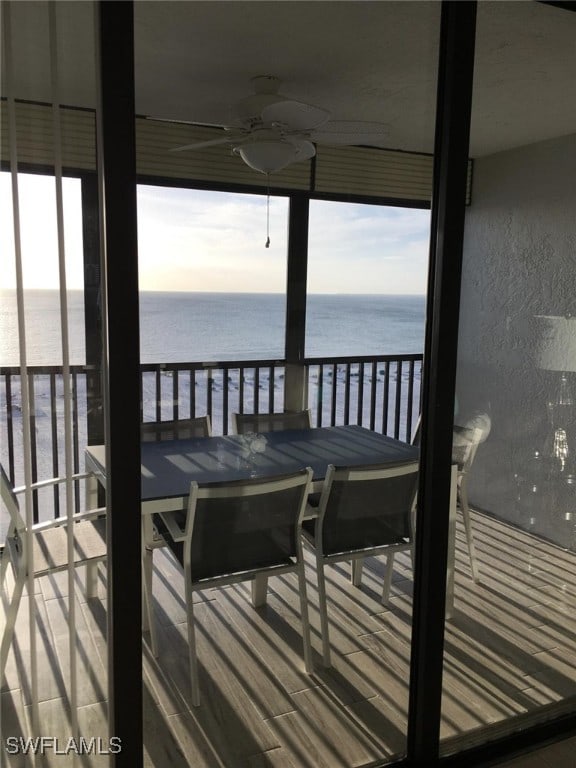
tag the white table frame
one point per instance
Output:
(95, 459)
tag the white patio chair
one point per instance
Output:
(236, 531)
(243, 423)
(466, 439)
(50, 550)
(181, 429)
(158, 431)
(363, 511)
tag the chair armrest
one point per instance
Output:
(174, 529)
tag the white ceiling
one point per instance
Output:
(359, 60)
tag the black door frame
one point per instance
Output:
(456, 58)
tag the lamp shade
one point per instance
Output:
(556, 346)
(268, 156)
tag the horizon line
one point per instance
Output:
(239, 293)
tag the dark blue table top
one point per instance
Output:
(169, 466)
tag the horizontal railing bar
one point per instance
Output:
(363, 359)
(39, 370)
(201, 366)
(44, 370)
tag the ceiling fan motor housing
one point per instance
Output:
(249, 109)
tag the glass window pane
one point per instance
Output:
(366, 304)
(210, 289)
(510, 654)
(53, 662)
(367, 272)
(373, 62)
(39, 243)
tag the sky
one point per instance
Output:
(193, 240)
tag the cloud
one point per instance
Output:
(358, 248)
(197, 240)
(211, 241)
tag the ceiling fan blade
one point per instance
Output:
(350, 132)
(202, 144)
(297, 115)
(185, 122)
(305, 148)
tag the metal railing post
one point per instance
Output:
(295, 389)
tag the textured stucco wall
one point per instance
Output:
(519, 261)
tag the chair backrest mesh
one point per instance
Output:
(368, 507)
(242, 532)
(182, 429)
(271, 422)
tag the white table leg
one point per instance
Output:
(259, 589)
(92, 503)
(451, 542)
(91, 492)
(92, 580)
(147, 571)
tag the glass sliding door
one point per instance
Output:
(510, 653)
(197, 67)
(53, 629)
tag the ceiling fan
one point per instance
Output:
(270, 131)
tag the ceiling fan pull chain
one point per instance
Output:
(267, 211)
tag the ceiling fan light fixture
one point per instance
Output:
(268, 156)
(271, 131)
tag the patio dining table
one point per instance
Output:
(169, 466)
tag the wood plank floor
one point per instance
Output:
(510, 650)
(558, 755)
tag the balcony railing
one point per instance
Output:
(46, 394)
(380, 392)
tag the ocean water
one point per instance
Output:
(201, 327)
(195, 327)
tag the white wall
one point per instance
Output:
(519, 261)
